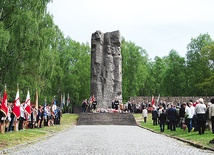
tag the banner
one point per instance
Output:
(4, 107)
(153, 101)
(16, 108)
(68, 100)
(27, 103)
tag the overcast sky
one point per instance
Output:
(157, 26)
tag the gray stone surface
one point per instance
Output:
(106, 67)
(106, 119)
(110, 140)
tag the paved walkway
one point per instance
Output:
(110, 140)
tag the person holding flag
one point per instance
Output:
(27, 103)
(153, 101)
(22, 117)
(16, 110)
(3, 111)
(27, 108)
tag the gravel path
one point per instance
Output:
(110, 140)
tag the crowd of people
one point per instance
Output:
(43, 116)
(190, 116)
(91, 106)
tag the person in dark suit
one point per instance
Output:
(129, 106)
(154, 116)
(94, 104)
(172, 117)
(116, 104)
(112, 104)
(162, 119)
(84, 105)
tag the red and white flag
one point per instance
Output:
(27, 103)
(68, 100)
(153, 101)
(16, 108)
(4, 107)
(92, 99)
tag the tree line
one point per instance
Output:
(35, 54)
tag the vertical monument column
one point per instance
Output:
(96, 65)
(106, 67)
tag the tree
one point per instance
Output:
(208, 56)
(157, 71)
(174, 75)
(197, 64)
(134, 69)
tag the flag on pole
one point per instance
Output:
(68, 100)
(4, 107)
(158, 99)
(54, 107)
(37, 100)
(62, 101)
(16, 108)
(153, 101)
(45, 110)
(27, 103)
(61, 104)
(91, 99)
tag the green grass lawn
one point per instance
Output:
(10, 139)
(194, 137)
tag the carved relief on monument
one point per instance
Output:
(106, 67)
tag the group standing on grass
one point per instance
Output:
(190, 116)
(43, 116)
(195, 116)
(16, 116)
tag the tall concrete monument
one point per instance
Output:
(106, 67)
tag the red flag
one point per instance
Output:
(153, 101)
(16, 108)
(4, 107)
(27, 103)
(92, 99)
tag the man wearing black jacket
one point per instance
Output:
(172, 116)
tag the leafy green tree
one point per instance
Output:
(75, 60)
(174, 75)
(208, 56)
(134, 69)
(197, 64)
(157, 71)
(19, 22)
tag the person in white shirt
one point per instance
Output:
(192, 109)
(200, 110)
(211, 113)
(22, 116)
(144, 114)
(189, 112)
